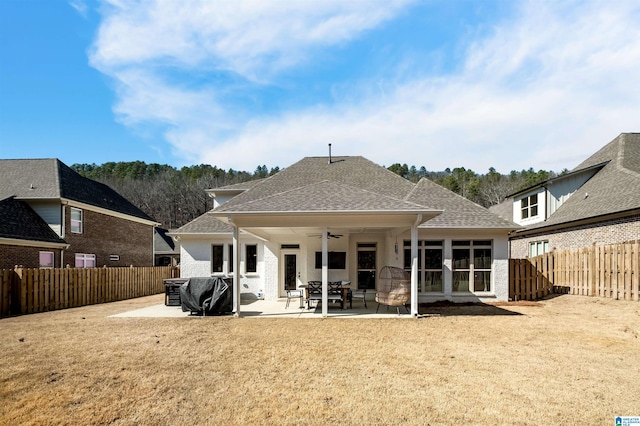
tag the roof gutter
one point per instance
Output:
(33, 243)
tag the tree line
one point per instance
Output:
(175, 196)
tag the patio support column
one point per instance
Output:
(236, 270)
(325, 272)
(414, 267)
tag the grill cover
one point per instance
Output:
(207, 295)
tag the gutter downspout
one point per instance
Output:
(236, 269)
(325, 272)
(414, 266)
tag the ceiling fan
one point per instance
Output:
(329, 235)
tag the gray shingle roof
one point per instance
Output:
(162, 243)
(357, 184)
(52, 179)
(614, 189)
(242, 186)
(458, 212)
(204, 224)
(504, 209)
(324, 196)
(356, 172)
(20, 222)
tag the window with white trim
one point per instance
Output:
(217, 258)
(430, 265)
(536, 248)
(472, 262)
(84, 260)
(529, 206)
(46, 259)
(76, 221)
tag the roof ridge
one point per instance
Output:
(57, 176)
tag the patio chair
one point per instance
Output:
(335, 293)
(394, 288)
(297, 293)
(314, 292)
(360, 294)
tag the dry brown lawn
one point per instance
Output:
(567, 360)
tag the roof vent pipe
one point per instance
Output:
(329, 153)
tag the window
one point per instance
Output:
(230, 257)
(529, 206)
(536, 248)
(46, 259)
(430, 264)
(76, 221)
(472, 259)
(251, 259)
(217, 258)
(85, 260)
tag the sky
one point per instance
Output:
(237, 84)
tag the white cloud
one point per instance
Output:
(80, 6)
(249, 37)
(545, 89)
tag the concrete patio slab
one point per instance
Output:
(274, 309)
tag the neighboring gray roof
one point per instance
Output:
(52, 179)
(614, 189)
(163, 243)
(20, 222)
(504, 209)
(205, 224)
(458, 212)
(242, 186)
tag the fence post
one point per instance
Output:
(635, 269)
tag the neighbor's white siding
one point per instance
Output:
(50, 212)
(542, 207)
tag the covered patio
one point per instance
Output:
(267, 226)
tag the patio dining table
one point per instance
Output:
(344, 285)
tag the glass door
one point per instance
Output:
(290, 271)
(366, 266)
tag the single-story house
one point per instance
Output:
(343, 219)
(598, 202)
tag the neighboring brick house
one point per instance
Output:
(97, 225)
(598, 202)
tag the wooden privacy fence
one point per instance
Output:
(27, 291)
(611, 271)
